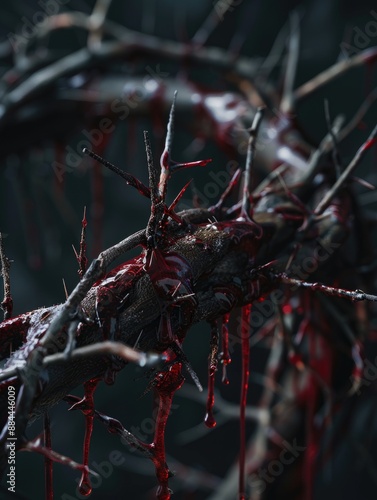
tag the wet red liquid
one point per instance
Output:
(369, 144)
(85, 487)
(166, 385)
(225, 359)
(246, 311)
(209, 419)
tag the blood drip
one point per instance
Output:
(171, 277)
(225, 359)
(166, 385)
(13, 333)
(85, 487)
(209, 419)
(246, 310)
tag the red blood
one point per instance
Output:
(246, 311)
(171, 277)
(13, 334)
(209, 419)
(287, 308)
(85, 487)
(368, 144)
(166, 383)
(224, 355)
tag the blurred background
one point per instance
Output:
(45, 185)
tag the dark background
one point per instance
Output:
(41, 219)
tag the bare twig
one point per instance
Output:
(335, 152)
(100, 349)
(324, 147)
(324, 203)
(245, 209)
(157, 205)
(360, 113)
(130, 179)
(128, 40)
(327, 290)
(276, 51)
(166, 154)
(81, 257)
(335, 71)
(288, 102)
(115, 427)
(97, 21)
(220, 8)
(35, 445)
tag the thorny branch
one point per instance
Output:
(194, 265)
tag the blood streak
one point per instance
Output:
(166, 383)
(368, 144)
(246, 311)
(171, 277)
(85, 487)
(224, 355)
(209, 419)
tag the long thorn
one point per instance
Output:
(365, 57)
(179, 196)
(287, 102)
(324, 203)
(152, 170)
(335, 152)
(211, 22)
(157, 207)
(327, 290)
(245, 210)
(359, 115)
(166, 155)
(82, 258)
(130, 179)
